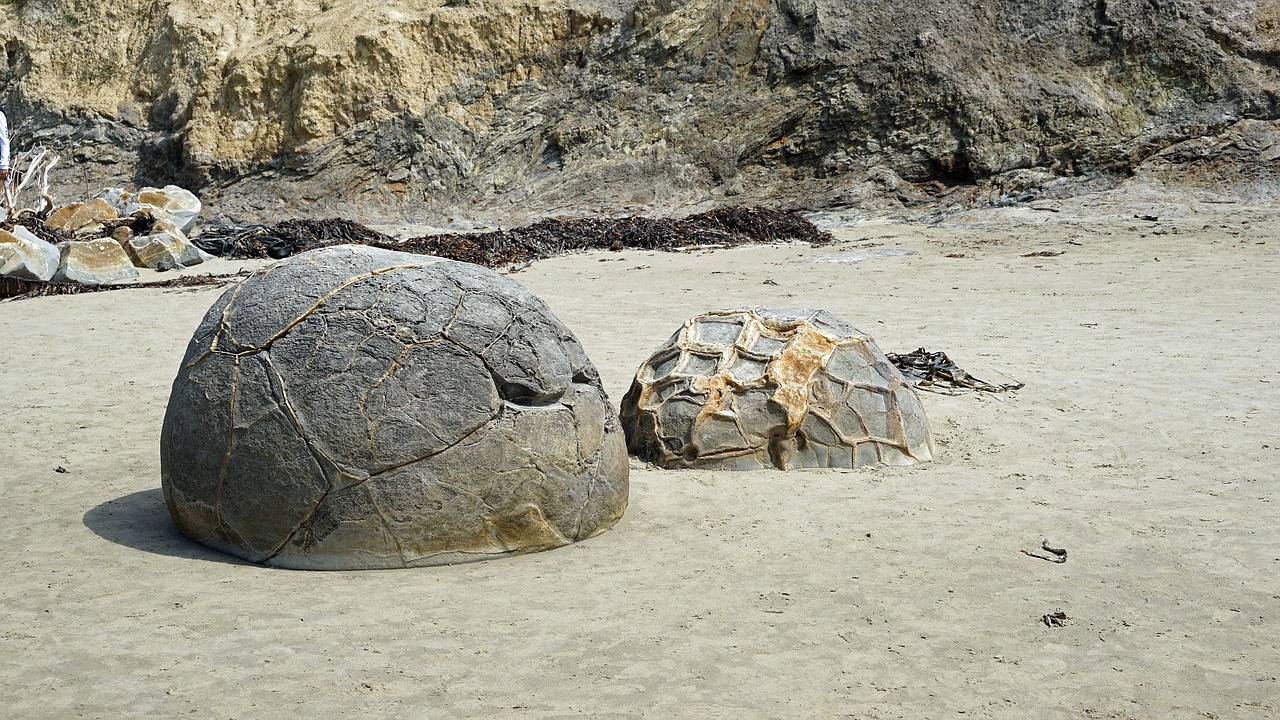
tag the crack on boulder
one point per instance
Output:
(226, 457)
(469, 435)
(386, 522)
(327, 465)
(593, 477)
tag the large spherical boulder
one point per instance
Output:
(358, 408)
(760, 387)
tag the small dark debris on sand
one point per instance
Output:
(725, 227)
(1055, 619)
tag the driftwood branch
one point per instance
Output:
(31, 166)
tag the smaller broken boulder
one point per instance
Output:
(23, 256)
(163, 251)
(80, 216)
(763, 387)
(94, 262)
(116, 197)
(175, 202)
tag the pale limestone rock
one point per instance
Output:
(763, 387)
(177, 204)
(80, 216)
(60, 219)
(23, 256)
(94, 262)
(163, 251)
(117, 198)
(353, 408)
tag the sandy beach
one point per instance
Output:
(1145, 443)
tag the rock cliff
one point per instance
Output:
(329, 104)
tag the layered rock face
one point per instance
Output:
(355, 408)
(497, 101)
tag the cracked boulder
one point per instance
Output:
(24, 256)
(172, 201)
(355, 408)
(94, 262)
(166, 248)
(763, 387)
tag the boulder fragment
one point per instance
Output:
(80, 216)
(354, 408)
(94, 262)
(117, 198)
(177, 203)
(166, 248)
(762, 387)
(23, 256)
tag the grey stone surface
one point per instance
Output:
(166, 248)
(357, 408)
(771, 387)
(23, 256)
(94, 262)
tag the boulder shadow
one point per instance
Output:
(141, 521)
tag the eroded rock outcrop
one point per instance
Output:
(360, 408)
(629, 101)
(763, 387)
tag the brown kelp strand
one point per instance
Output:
(935, 372)
(24, 290)
(725, 227)
(33, 222)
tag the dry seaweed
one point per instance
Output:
(285, 238)
(33, 222)
(935, 372)
(11, 289)
(725, 227)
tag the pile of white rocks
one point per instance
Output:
(102, 249)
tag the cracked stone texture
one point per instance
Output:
(94, 262)
(767, 387)
(23, 256)
(78, 216)
(355, 408)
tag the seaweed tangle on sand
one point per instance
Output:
(285, 238)
(11, 289)
(725, 227)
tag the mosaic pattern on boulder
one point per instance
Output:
(763, 387)
(355, 408)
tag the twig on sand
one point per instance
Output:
(1059, 555)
